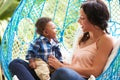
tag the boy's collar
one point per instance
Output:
(42, 37)
(52, 40)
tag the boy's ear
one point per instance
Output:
(45, 33)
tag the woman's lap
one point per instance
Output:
(21, 69)
(66, 74)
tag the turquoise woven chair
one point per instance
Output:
(20, 30)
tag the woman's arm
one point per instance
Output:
(104, 48)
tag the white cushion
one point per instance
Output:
(91, 77)
(15, 77)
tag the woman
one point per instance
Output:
(93, 48)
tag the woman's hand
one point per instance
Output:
(54, 62)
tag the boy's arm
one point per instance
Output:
(32, 54)
(31, 58)
(32, 51)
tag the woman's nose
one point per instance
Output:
(79, 21)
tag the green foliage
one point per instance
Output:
(7, 8)
(69, 35)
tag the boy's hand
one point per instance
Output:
(32, 63)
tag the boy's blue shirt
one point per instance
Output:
(42, 48)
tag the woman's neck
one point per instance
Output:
(95, 35)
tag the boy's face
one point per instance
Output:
(50, 30)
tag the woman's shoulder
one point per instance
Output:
(110, 38)
(105, 40)
(107, 37)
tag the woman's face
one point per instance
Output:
(84, 22)
(50, 30)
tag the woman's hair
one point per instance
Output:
(97, 13)
(41, 24)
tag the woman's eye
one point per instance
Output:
(82, 18)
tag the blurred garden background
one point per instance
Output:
(7, 8)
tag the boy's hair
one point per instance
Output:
(41, 24)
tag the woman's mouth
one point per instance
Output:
(82, 26)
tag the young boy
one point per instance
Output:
(45, 45)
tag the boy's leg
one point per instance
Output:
(42, 69)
